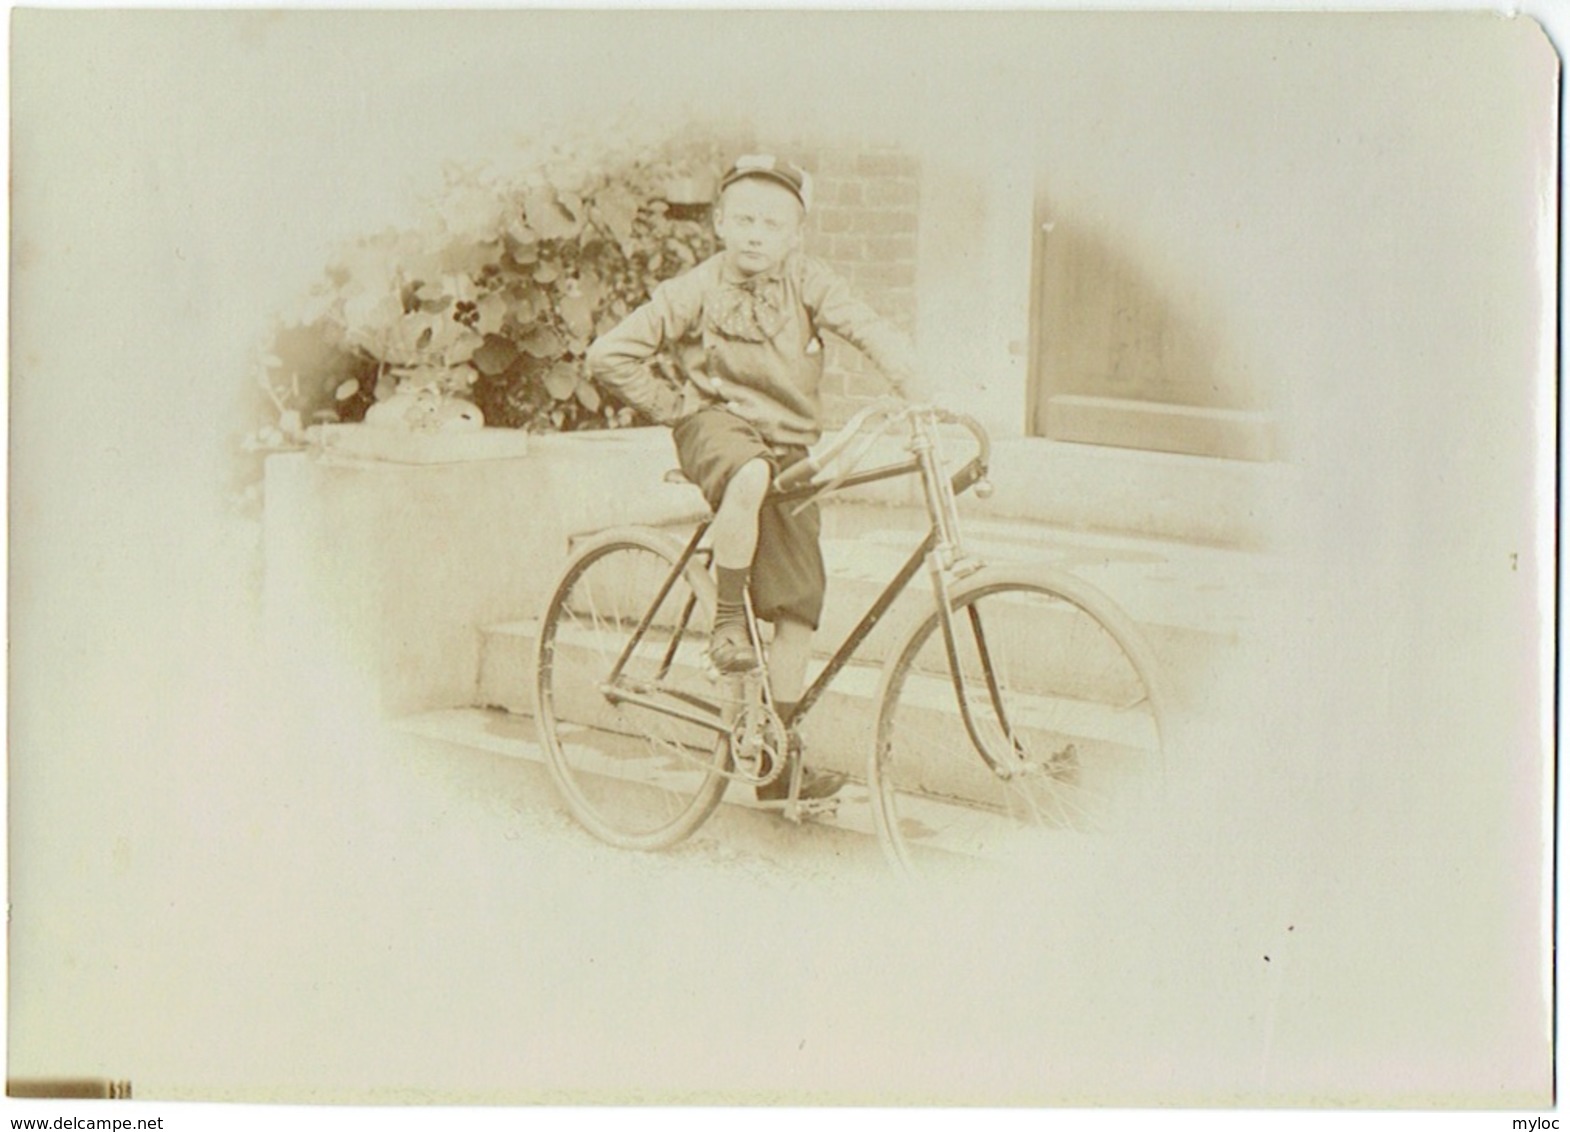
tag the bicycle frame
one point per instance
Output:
(939, 550)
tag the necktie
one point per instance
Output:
(752, 310)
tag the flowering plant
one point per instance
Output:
(495, 296)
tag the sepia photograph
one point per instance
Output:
(779, 558)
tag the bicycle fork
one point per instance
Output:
(945, 561)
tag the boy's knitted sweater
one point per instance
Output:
(750, 343)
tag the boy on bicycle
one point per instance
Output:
(742, 333)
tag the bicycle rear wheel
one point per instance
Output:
(639, 759)
(1063, 694)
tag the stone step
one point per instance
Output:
(1051, 638)
(1127, 491)
(840, 728)
(1192, 603)
(1160, 581)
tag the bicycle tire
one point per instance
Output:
(1086, 721)
(633, 777)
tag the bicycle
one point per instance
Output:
(975, 751)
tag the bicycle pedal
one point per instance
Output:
(803, 810)
(714, 674)
(817, 809)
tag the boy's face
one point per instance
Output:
(760, 223)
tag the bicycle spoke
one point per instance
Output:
(641, 769)
(1055, 699)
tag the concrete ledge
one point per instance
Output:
(369, 442)
(1225, 433)
(1088, 487)
(395, 566)
(1145, 494)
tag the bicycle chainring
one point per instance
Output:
(757, 743)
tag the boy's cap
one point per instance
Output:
(771, 168)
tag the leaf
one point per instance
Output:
(346, 390)
(568, 177)
(495, 357)
(447, 333)
(592, 287)
(527, 304)
(519, 231)
(524, 252)
(578, 313)
(470, 213)
(465, 258)
(418, 254)
(616, 209)
(460, 351)
(368, 317)
(588, 396)
(549, 217)
(561, 380)
(541, 342)
(493, 313)
(460, 285)
(400, 340)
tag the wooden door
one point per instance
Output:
(1123, 358)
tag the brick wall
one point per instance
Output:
(863, 224)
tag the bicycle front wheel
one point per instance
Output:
(1062, 719)
(629, 722)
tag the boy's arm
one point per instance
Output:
(838, 311)
(620, 359)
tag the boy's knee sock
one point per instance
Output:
(730, 603)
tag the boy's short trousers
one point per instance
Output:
(787, 571)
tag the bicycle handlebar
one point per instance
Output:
(977, 432)
(859, 426)
(803, 471)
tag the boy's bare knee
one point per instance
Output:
(748, 486)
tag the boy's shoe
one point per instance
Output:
(730, 650)
(815, 784)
